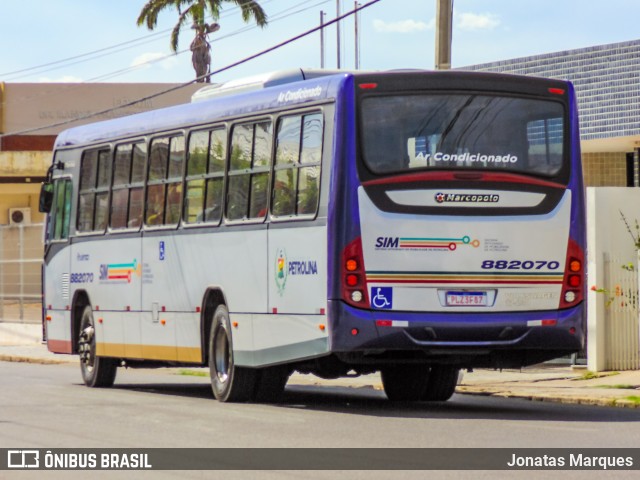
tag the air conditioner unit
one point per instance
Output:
(19, 216)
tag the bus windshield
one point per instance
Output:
(462, 131)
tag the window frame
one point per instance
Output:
(95, 190)
(166, 182)
(368, 172)
(129, 186)
(67, 214)
(298, 165)
(251, 171)
(206, 176)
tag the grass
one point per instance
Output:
(193, 373)
(633, 398)
(621, 386)
(588, 375)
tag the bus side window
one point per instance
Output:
(207, 153)
(260, 171)
(215, 176)
(164, 184)
(155, 186)
(249, 170)
(174, 178)
(197, 159)
(128, 184)
(59, 226)
(136, 185)
(310, 158)
(93, 204)
(119, 190)
(297, 170)
(283, 200)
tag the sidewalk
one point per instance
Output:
(549, 383)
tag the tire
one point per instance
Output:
(229, 382)
(405, 383)
(271, 383)
(442, 383)
(97, 372)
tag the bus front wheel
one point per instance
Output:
(229, 382)
(96, 371)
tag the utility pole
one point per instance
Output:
(444, 22)
(321, 38)
(338, 31)
(356, 21)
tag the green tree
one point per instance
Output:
(197, 11)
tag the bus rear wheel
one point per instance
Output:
(405, 383)
(96, 371)
(442, 383)
(270, 384)
(229, 382)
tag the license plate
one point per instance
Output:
(467, 299)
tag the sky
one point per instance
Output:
(99, 41)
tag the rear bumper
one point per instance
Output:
(470, 340)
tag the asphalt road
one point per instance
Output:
(46, 406)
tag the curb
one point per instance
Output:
(575, 400)
(26, 359)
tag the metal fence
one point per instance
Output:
(21, 249)
(621, 315)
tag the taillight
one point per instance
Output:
(574, 275)
(354, 283)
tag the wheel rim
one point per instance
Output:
(87, 347)
(222, 355)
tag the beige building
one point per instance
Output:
(607, 86)
(32, 114)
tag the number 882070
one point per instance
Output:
(520, 265)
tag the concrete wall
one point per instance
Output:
(29, 105)
(25, 194)
(25, 106)
(607, 237)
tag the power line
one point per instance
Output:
(127, 45)
(276, 17)
(182, 85)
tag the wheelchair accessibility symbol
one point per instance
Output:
(382, 297)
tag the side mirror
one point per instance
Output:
(46, 197)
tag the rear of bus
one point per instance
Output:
(457, 232)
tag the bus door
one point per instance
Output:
(56, 269)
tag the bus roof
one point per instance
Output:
(257, 82)
(260, 93)
(312, 88)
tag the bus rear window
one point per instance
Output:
(462, 131)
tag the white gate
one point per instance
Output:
(621, 315)
(21, 251)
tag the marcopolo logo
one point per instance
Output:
(466, 197)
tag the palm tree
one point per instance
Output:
(197, 11)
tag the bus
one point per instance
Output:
(412, 223)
